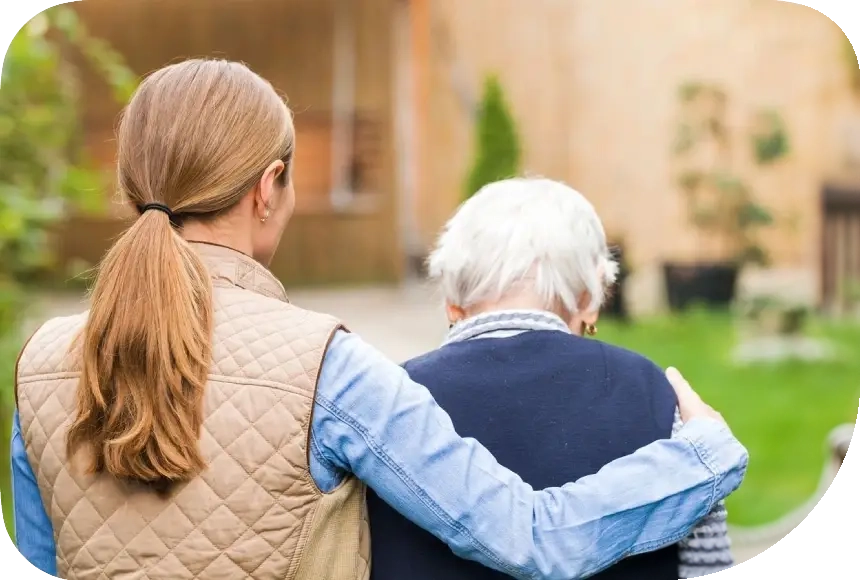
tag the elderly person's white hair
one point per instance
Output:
(524, 234)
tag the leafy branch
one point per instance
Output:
(45, 172)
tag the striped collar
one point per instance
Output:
(504, 323)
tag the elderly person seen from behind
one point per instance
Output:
(524, 268)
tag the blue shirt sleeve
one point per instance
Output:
(34, 532)
(371, 420)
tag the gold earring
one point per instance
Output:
(266, 216)
(590, 329)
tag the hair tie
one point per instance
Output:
(159, 207)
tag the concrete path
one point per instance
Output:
(401, 322)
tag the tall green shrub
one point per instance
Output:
(498, 144)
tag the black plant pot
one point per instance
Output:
(710, 284)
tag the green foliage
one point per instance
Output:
(719, 201)
(498, 144)
(689, 91)
(8, 355)
(45, 172)
(770, 141)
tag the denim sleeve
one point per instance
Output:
(33, 529)
(371, 420)
(708, 548)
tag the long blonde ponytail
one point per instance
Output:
(194, 139)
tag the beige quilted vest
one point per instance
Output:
(255, 512)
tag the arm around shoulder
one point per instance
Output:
(371, 420)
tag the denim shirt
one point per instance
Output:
(372, 421)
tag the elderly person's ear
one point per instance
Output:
(588, 328)
(584, 322)
(455, 314)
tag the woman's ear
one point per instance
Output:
(267, 194)
(455, 314)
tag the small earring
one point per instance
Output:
(590, 329)
(266, 216)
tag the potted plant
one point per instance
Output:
(720, 204)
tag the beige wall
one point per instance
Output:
(593, 86)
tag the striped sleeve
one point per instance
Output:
(707, 549)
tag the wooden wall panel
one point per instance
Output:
(289, 42)
(840, 247)
(317, 249)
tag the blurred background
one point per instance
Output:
(718, 139)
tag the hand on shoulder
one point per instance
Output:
(690, 403)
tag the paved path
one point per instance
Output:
(401, 322)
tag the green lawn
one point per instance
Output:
(782, 413)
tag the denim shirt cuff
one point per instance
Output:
(719, 451)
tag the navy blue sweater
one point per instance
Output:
(551, 406)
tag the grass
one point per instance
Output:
(781, 412)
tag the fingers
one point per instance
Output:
(690, 403)
(680, 384)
